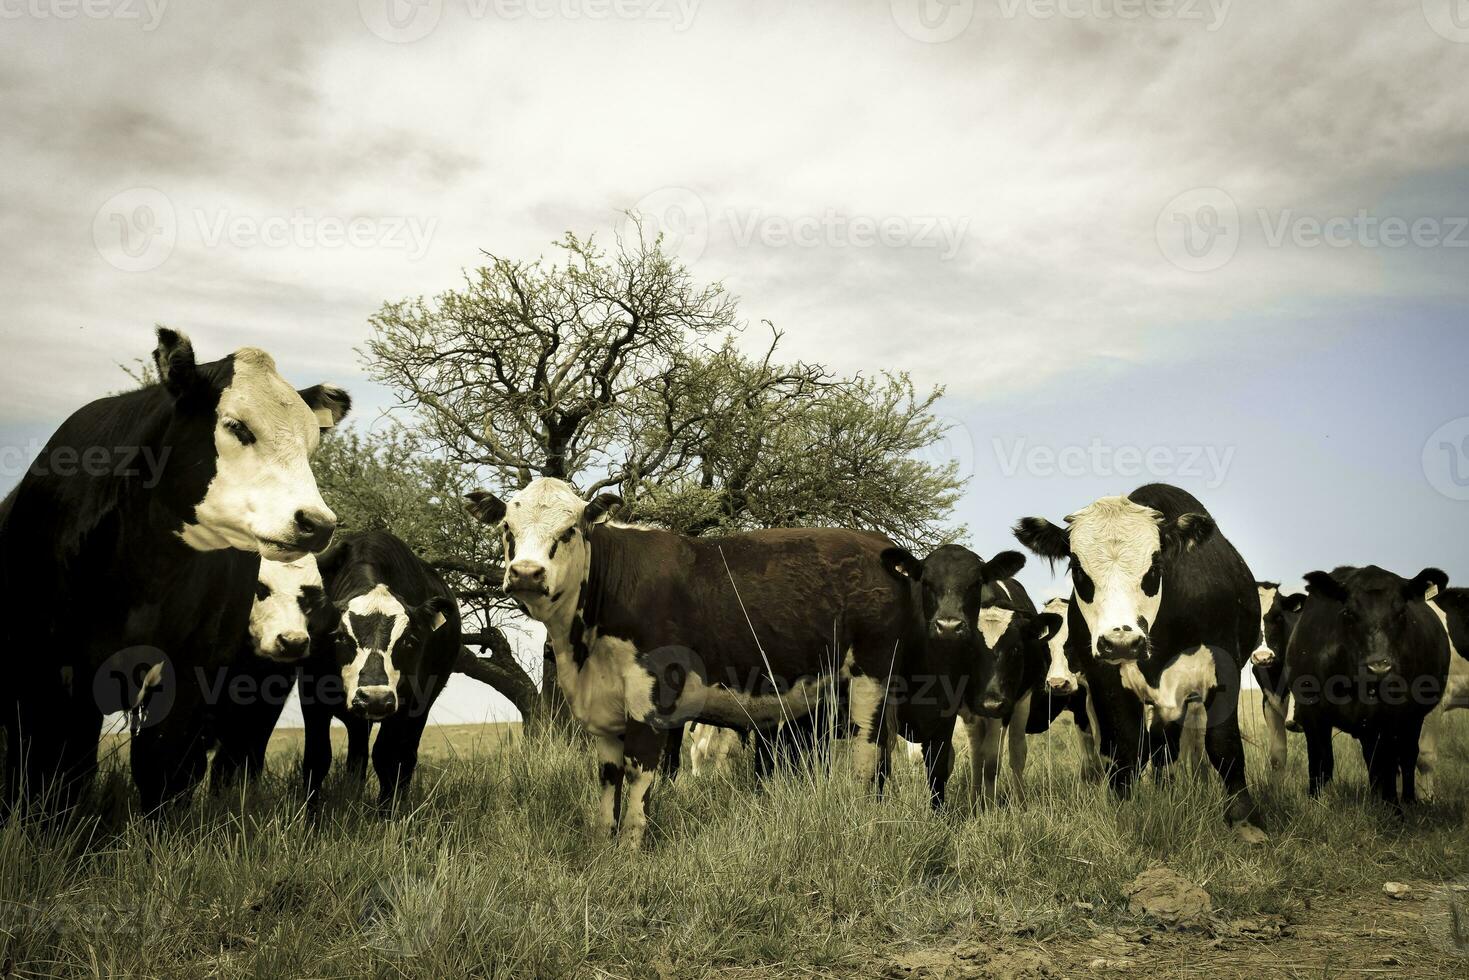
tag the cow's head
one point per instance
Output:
(951, 581)
(240, 443)
(380, 639)
(1279, 613)
(1061, 680)
(289, 601)
(547, 552)
(1117, 552)
(1373, 608)
(1012, 640)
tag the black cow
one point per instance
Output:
(956, 668)
(653, 629)
(394, 643)
(290, 608)
(1169, 611)
(1452, 607)
(1279, 614)
(132, 542)
(1369, 656)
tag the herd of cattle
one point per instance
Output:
(219, 586)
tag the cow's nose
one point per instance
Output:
(374, 702)
(1263, 657)
(292, 646)
(949, 627)
(1061, 685)
(1124, 643)
(526, 575)
(993, 704)
(315, 528)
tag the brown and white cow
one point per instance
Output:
(652, 629)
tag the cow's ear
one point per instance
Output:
(1324, 585)
(435, 612)
(1187, 531)
(902, 563)
(600, 509)
(330, 403)
(1426, 584)
(1047, 625)
(1293, 603)
(174, 360)
(485, 506)
(1044, 538)
(1007, 564)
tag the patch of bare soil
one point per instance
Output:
(1422, 932)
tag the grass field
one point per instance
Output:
(493, 872)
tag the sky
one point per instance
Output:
(1220, 243)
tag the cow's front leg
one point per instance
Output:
(609, 773)
(1274, 709)
(1018, 720)
(869, 714)
(1428, 752)
(984, 754)
(643, 749)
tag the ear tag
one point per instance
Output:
(439, 620)
(324, 418)
(1432, 591)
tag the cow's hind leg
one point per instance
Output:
(870, 716)
(643, 748)
(609, 774)
(1428, 752)
(1227, 754)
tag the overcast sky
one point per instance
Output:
(1222, 244)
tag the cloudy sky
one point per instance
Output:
(1218, 243)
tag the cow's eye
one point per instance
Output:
(240, 431)
(262, 591)
(1085, 589)
(567, 534)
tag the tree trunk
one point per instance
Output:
(500, 671)
(555, 713)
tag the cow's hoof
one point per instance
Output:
(1249, 834)
(630, 839)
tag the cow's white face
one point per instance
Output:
(263, 496)
(286, 596)
(380, 640)
(1060, 678)
(1116, 555)
(547, 553)
(1263, 654)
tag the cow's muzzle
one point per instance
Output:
(1122, 645)
(374, 703)
(1263, 657)
(1061, 686)
(949, 629)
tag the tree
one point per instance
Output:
(616, 369)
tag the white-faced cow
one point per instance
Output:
(652, 629)
(1279, 613)
(133, 541)
(1452, 609)
(290, 607)
(1171, 612)
(1370, 656)
(393, 642)
(942, 676)
(1065, 686)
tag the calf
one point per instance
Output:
(948, 590)
(1170, 611)
(1452, 608)
(1369, 656)
(132, 543)
(1279, 614)
(390, 651)
(653, 629)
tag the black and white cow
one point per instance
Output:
(1370, 656)
(394, 641)
(1065, 688)
(1452, 608)
(290, 607)
(949, 589)
(133, 540)
(653, 629)
(1279, 614)
(1170, 612)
